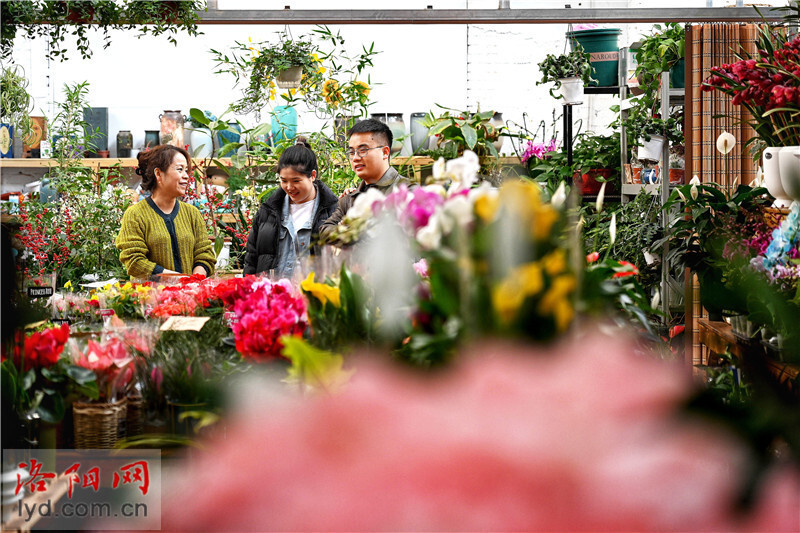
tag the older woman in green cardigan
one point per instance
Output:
(161, 234)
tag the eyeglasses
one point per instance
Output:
(360, 152)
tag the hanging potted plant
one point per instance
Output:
(291, 64)
(570, 72)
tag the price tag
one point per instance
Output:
(184, 323)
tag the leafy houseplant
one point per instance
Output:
(596, 158)
(261, 64)
(572, 65)
(56, 19)
(464, 130)
(659, 52)
(15, 102)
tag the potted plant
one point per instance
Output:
(570, 73)
(596, 160)
(15, 107)
(649, 131)
(55, 19)
(464, 130)
(661, 51)
(290, 63)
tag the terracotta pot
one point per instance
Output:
(636, 173)
(676, 176)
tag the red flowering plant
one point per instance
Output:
(109, 361)
(37, 379)
(270, 311)
(768, 86)
(46, 234)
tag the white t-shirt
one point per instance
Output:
(301, 214)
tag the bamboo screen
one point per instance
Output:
(709, 45)
(712, 45)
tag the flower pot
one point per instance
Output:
(172, 128)
(200, 143)
(419, 133)
(284, 123)
(772, 176)
(587, 183)
(180, 425)
(32, 143)
(677, 74)
(96, 119)
(651, 150)
(124, 143)
(227, 136)
(676, 176)
(571, 90)
(789, 159)
(636, 174)
(497, 122)
(603, 49)
(289, 78)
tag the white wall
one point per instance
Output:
(419, 66)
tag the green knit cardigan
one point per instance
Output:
(147, 245)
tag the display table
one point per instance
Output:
(719, 338)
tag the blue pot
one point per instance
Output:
(227, 136)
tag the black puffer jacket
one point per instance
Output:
(262, 244)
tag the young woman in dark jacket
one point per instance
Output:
(289, 220)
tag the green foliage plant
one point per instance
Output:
(575, 64)
(457, 131)
(56, 20)
(258, 65)
(659, 52)
(15, 102)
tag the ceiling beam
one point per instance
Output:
(482, 16)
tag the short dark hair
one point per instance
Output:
(375, 127)
(159, 157)
(299, 157)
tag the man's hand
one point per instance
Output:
(348, 191)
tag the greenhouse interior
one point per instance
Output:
(448, 266)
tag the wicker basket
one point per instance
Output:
(135, 416)
(99, 425)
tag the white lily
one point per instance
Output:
(694, 191)
(599, 203)
(681, 195)
(656, 299)
(759, 181)
(725, 142)
(612, 229)
(560, 196)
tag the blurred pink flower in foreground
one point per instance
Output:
(583, 436)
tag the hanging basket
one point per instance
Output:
(651, 150)
(571, 90)
(99, 425)
(289, 78)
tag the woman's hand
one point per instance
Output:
(199, 270)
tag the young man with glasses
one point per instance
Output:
(369, 148)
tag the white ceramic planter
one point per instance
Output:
(201, 143)
(290, 78)
(772, 176)
(571, 90)
(651, 150)
(789, 159)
